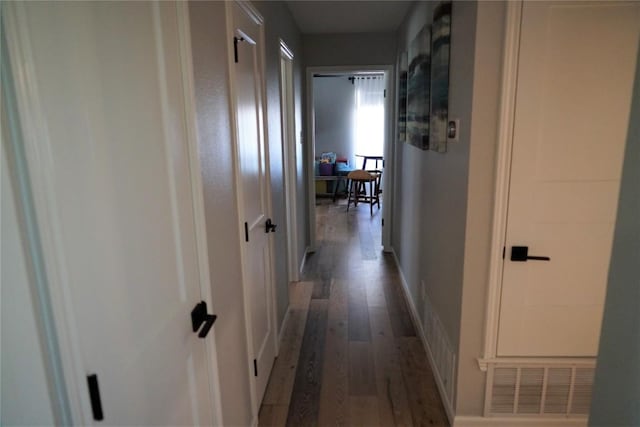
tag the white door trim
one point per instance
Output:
(503, 172)
(287, 113)
(238, 189)
(38, 149)
(197, 193)
(256, 17)
(19, 94)
(388, 147)
(311, 155)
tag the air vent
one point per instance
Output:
(504, 390)
(441, 351)
(530, 396)
(558, 385)
(539, 389)
(582, 386)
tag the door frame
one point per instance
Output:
(69, 380)
(511, 51)
(255, 16)
(21, 102)
(387, 212)
(288, 126)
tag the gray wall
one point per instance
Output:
(279, 24)
(487, 79)
(617, 382)
(446, 200)
(216, 152)
(334, 101)
(349, 49)
(431, 188)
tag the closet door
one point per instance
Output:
(110, 159)
(575, 77)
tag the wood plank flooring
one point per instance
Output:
(350, 355)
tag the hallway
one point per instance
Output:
(349, 352)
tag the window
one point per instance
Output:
(369, 115)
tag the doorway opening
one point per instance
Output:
(349, 128)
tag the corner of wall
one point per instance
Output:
(488, 46)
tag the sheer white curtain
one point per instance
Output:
(369, 116)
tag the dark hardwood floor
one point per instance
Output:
(350, 355)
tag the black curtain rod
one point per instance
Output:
(366, 76)
(350, 77)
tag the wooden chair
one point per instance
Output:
(357, 188)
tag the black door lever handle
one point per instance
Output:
(521, 253)
(199, 316)
(270, 226)
(208, 323)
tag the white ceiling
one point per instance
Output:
(363, 16)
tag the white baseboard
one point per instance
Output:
(282, 326)
(470, 421)
(448, 406)
(304, 258)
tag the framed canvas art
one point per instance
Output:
(418, 87)
(402, 97)
(440, 48)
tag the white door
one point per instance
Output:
(253, 189)
(575, 78)
(110, 167)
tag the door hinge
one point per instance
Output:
(235, 47)
(384, 94)
(94, 396)
(246, 232)
(504, 249)
(383, 222)
(255, 367)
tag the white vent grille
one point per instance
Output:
(443, 356)
(504, 390)
(538, 389)
(558, 385)
(582, 386)
(530, 396)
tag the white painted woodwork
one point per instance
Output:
(253, 190)
(24, 389)
(575, 77)
(287, 111)
(113, 169)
